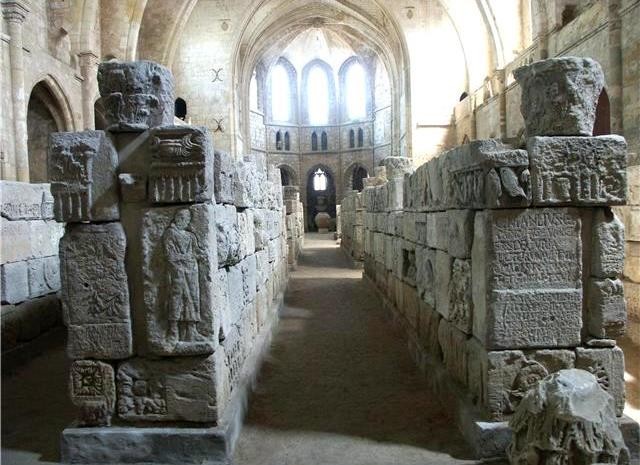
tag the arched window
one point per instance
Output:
(285, 177)
(360, 137)
(280, 94)
(324, 141)
(352, 138)
(278, 140)
(318, 96)
(287, 141)
(319, 180)
(356, 92)
(314, 141)
(253, 93)
(180, 108)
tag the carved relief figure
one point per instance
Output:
(181, 250)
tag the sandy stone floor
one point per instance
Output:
(338, 387)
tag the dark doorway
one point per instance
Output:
(602, 124)
(321, 195)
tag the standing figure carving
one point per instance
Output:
(181, 252)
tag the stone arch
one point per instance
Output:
(45, 114)
(288, 173)
(328, 70)
(293, 90)
(369, 73)
(353, 177)
(317, 201)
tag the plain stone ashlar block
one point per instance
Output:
(460, 233)
(179, 251)
(223, 172)
(580, 171)
(95, 292)
(15, 282)
(83, 172)
(527, 278)
(454, 351)
(181, 168)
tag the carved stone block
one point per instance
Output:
(95, 293)
(82, 171)
(460, 301)
(137, 95)
(227, 235)
(607, 246)
(527, 278)
(176, 389)
(179, 259)
(396, 167)
(442, 280)
(247, 184)
(460, 233)
(454, 351)
(606, 308)
(499, 380)
(607, 365)
(181, 169)
(426, 274)
(578, 170)
(559, 96)
(223, 172)
(92, 388)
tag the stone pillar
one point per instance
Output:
(15, 13)
(89, 70)
(614, 89)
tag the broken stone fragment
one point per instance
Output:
(606, 308)
(137, 95)
(607, 246)
(95, 292)
(92, 388)
(569, 403)
(82, 171)
(559, 96)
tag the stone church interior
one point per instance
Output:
(320, 232)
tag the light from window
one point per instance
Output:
(253, 93)
(318, 95)
(319, 180)
(356, 92)
(280, 94)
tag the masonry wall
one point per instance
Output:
(29, 265)
(488, 277)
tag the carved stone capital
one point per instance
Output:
(14, 11)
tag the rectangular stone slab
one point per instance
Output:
(171, 389)
(578, 170)
(180, 257)
(83, 173)
(527, 278)
(95, 293)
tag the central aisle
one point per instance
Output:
(339, 386)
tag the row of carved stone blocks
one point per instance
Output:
(172, 250)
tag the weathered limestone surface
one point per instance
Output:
(570, 403)
(606, 308)
(180, 257)
(82, 170)
(607, 365)
(578, 170)
(95, 293)
(559, 96)
(136, 95)
(92, 388)
(182, 388)
(607, 246)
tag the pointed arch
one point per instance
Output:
(354, 93)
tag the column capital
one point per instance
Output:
(14, 11)
(87, 58)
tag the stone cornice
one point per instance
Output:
(14, 11)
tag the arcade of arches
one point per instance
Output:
(323, 97)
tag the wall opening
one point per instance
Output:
(321, 195)
(324, 141)
(357, 182)
(44, 116)
(602, 124)
(287, 141)
(180, 108)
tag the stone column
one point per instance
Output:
(15, 12)
(614, 88)
(89, 71)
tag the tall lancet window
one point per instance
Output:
(280, 94)
(356, 92)
(318, 96)
(319, 180)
